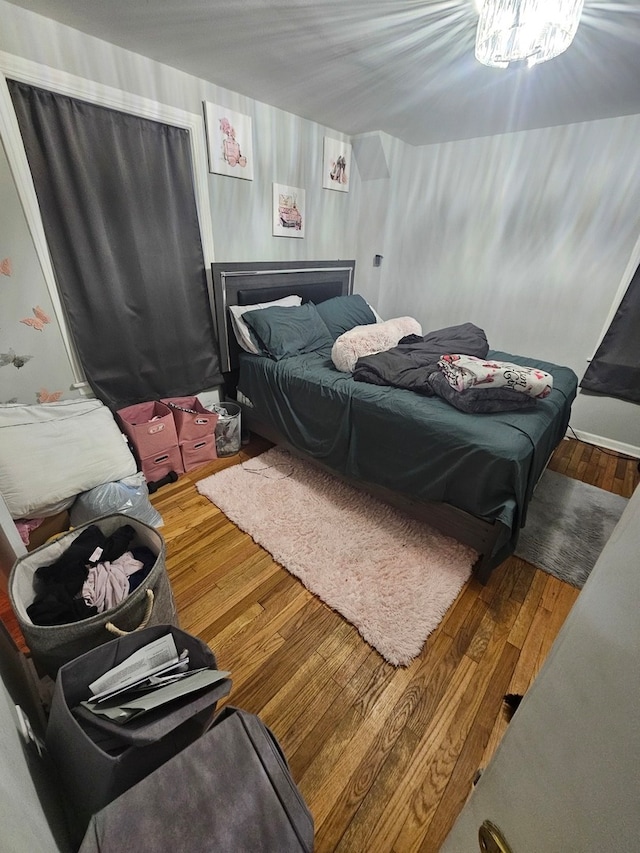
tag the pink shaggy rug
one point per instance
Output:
(392, 577)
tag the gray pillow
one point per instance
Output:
(343, 313)
(283, 332)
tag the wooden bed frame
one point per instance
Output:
(250, 283)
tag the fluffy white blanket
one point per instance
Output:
(370, 339)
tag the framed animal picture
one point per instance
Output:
(336, 165)
(229, 142)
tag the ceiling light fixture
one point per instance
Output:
(528, 31)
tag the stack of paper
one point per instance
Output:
(152, 676)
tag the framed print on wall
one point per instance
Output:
(229, 142)
(288, 211)
(336, 165)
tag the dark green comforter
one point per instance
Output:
(421, 446)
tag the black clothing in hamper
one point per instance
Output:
(116, 544)
(151, 603)
(58, 586)
(230, 791)
(147, 558)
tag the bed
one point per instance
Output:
(470, 476)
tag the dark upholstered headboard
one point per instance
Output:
(252, 282)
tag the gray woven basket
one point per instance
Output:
(151, 603)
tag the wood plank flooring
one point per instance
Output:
(384, 756)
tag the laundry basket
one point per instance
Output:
(228, 437)
(151, 603)
(96, 759)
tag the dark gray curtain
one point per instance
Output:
(117, 202)
(615, 368)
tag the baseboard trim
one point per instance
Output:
(607, 443)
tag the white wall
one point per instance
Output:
(528, 235)
(47, 370)
(31, 813)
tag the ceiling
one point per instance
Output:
(405, 67)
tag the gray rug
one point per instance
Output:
(568, 523)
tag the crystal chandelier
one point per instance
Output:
(525, 30)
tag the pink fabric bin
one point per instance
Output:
(199, 452)
(158, 466)
(150, 428)
(194, 424)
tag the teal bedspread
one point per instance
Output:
(485, 464)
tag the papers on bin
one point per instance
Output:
(154, 675)
(156, 658)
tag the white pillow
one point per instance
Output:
(367, 340)
(51, 452)
(375, 313)
(242, 331)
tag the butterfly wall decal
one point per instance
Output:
(38, 321)
(5, 266)
(43, 396)
(10, 357)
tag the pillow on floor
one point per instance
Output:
(51, 452)
(369, 339)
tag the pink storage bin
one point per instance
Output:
(158, 466)
(150, 428)
(192, 424)
(199, 452)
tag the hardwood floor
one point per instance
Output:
(384, 756)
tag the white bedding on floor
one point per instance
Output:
(52, 451)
